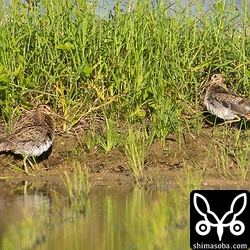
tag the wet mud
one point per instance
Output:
(165, 161)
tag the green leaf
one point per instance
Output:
(138, 112)
(4, 78)
(3, 86)
(65, 46)
(87, 70)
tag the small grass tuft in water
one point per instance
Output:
(191, 181)
(78, 186)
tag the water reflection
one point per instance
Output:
(113, 218)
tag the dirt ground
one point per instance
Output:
(187, 152)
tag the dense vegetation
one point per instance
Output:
(129, 66)
(142, 65)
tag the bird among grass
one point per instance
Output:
(34, 134)
(224, 104)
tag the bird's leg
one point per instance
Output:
(25, 187)
(231, 121)
(25, 165)
(25, 159)
(32, 165)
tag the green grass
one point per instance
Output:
(77, 188)
(145, 64)
(241, 154)
(191, 181)
(144, 61)
(135, 149)
(109, 139)
(78, 185)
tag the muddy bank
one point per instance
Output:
(164, 161)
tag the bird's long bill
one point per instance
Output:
(62, 118)
(205, 84)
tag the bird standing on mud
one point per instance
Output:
(224, 104)
(34, 134)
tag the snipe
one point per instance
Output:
(224, 104)
(34, 134)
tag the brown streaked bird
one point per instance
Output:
(34, 134)
(224, 104)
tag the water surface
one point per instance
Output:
(109, 218)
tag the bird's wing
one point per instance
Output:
(26, 120)
(35, 133)
(233, 102)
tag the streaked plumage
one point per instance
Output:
(34, 134)
(224, 104)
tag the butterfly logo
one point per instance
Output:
(203, 227)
